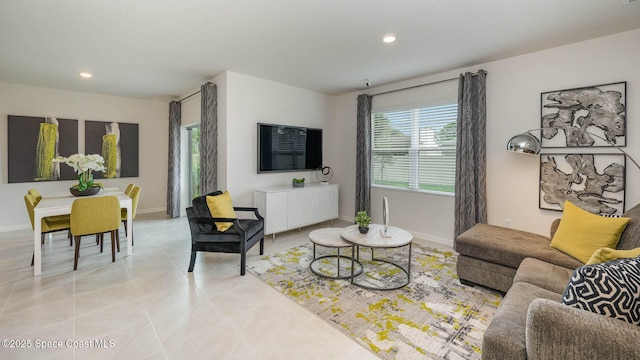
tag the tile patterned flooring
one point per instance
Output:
(147, 306)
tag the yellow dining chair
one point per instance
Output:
(128, 189)
(36, 194)
(95, 215)
(134, 194)
(48, 224)
(56, 218)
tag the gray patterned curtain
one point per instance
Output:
(208, 138)
(363, 154)
(173, 181)
(470, 188)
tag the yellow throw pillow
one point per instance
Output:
(581, 233)
(220, 206)
(603, 255)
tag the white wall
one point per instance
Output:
(32, 101)
(244, 101)
(513, 105)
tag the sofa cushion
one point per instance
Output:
(542, 274)
(607, 254)
(509, 247)
(221, 206)
(581, 233)
(630, 238)
(505, 335)
(609, 289)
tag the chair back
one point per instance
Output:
(36, 194)
(127, 191)
(95, 215)
(134, 195)
(31, 203)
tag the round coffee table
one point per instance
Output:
(396, 238)
(330, 238)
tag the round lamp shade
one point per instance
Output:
(524, 143)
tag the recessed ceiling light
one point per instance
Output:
(389, 38)
(86, 75)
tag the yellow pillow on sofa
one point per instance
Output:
(220, 206)
(581, 233)
(603, 255)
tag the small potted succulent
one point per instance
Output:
(297, 182)
(363, 220)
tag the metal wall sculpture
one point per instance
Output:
(567, 116)
(593, 182)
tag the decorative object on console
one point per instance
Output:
(575, 111)
(297, 182)
(84, 165)
(324, 173)
(363, 220)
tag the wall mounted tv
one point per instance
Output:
(288, 148)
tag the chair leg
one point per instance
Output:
(262, 246)
(193, 260)
(113, 246)
(118, 240)
(32, 258)
(42, 239)
(243, 262)
(75, 260)
(101, 240)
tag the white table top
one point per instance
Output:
(399, 237)
(329, 237)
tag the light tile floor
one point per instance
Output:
(147, 306)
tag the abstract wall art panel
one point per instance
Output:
(117, 143)
(593, 182)
(570, 118)
(34, 141)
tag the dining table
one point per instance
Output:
(60, 204)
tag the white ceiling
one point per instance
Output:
(162, 49)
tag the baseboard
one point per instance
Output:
(15, 228)
(152, 210)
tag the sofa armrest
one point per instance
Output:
(557, 331)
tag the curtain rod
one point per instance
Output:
(186, 97)
(416, 86)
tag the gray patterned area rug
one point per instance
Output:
(434, 317)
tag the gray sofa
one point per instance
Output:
(531, 323)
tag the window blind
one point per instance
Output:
(414, 139)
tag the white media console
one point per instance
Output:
(285, 207)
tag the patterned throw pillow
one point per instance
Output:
(609, 289)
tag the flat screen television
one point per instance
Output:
(288, 148)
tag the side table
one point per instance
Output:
(374, 240)
(344, 267)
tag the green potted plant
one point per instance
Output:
(297, 182)
(363, 220)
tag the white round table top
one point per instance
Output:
(399, 237)
(329, 237)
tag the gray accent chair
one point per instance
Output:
(238, 239)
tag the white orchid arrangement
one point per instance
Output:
(84, 165)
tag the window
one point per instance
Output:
(194, 161)
(415, 148)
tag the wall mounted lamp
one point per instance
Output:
(527, 143)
